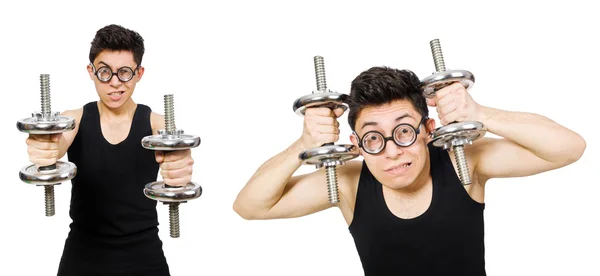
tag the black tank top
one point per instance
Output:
(447, 239)
(114, 229)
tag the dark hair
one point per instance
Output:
(382, 85)
(116, 38)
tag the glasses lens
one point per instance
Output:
(404, 135)
(125, 73)
(104, 73)
(373, 142)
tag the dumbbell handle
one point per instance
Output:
(48, 192)
(459, 152)
(47, 168)
(438, 58)
(169, 120)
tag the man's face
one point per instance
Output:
(114, 92)
(395, 167)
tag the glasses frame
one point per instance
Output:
(416, 130)
(133, 73)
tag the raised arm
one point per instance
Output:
(530, 143)
(273, 193)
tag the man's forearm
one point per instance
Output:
(540, 135)
(266, 186)
(62, 147)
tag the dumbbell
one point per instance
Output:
(171, 139)
(46, 122)
(453, 136)
(328, 155)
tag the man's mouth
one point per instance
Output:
(399, 167)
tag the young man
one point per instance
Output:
(404, 204)
(114, 229)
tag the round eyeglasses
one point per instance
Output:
(403, 135)
(105, 74)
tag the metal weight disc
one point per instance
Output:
(323, 99)
(39, 125)
(457, 134)
(331, 153)
(64, 171)
(437, 81)
(170, 142)
(158, 191)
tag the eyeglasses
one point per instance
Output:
(403, 135)
(105, 74)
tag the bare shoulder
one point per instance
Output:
(73, 113)
(157, 121)
(477, 149)
(349, 174)
(473, 154)
(69, 136)
(348, 177)
(76, 114)
(485, 142)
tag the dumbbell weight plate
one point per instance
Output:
(324, 99)
(457, 134)
(40, 125)
(439, 80)
(170, 142)
(158, 191)
(64, 171)
(320, 155)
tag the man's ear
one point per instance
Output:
(90, 70)
(140, 72)
(429, 127)
(354, 140)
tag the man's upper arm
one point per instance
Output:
(498, 158)
(307, 194)
(157, 122)
(69, 136)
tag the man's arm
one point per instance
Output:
(66, 139)
(272, 192)
(531, 144)
(157, 122)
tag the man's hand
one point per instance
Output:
(454, 104)
(176, 166)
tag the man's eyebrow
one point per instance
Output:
(104, 63)
(404, 116)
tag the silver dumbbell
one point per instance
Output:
(453, 136)
(46, 122)
(329, 155)
(171, 139)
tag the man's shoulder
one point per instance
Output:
(349, 173)
(73, 113)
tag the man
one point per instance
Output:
(404, 204)
(114, 229)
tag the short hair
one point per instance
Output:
(116, 38)
(383, 85)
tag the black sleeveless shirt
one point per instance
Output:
(447, 239)
(114, 229)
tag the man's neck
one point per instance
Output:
(418, 185)
(126, 110)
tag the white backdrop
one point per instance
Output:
(236, 67)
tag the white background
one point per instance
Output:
(236, 67)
